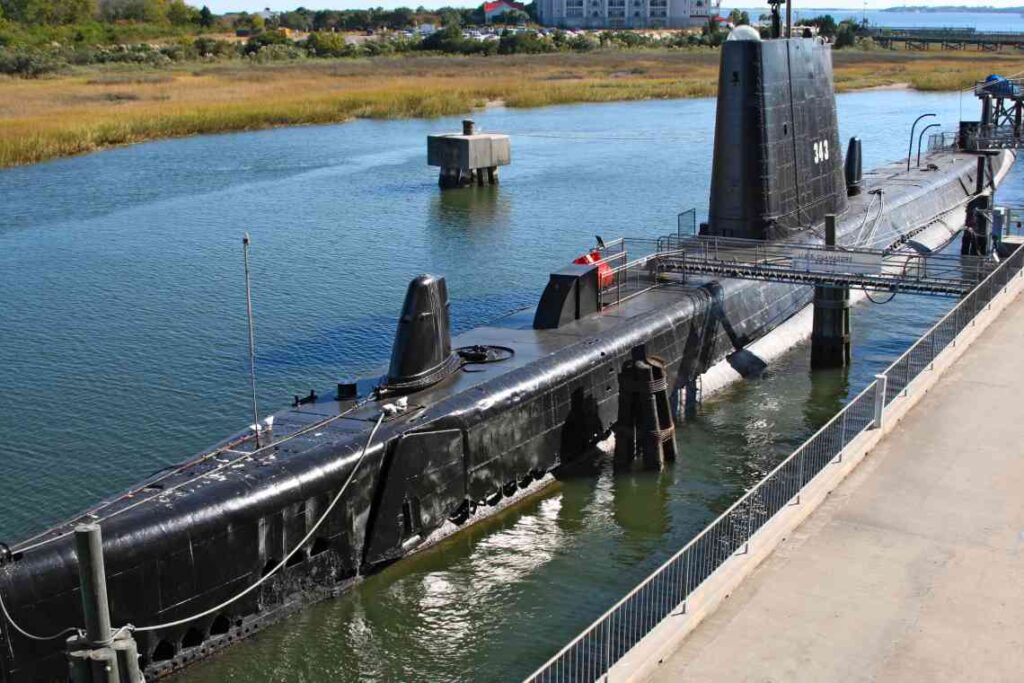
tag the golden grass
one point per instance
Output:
(103, 107)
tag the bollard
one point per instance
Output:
(880, 386)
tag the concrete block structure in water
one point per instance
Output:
(468, 158)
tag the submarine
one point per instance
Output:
(299, 507)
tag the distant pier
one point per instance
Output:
(945, 39)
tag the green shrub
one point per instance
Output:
(28, 63)
(277, 52)
(327, 44)
(212, 48)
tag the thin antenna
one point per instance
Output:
(252, 340)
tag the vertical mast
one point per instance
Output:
(252, 339)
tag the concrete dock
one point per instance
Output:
(913, 568)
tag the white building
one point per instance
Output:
(626, 13)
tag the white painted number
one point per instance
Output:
(820, 151)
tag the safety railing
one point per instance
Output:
(1000, 87)
(591, 655)
(633, 277)
(686, 223)
(947, 140)
(818, 264)
(1007, 221)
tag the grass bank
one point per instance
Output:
(94, 108)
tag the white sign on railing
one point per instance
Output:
(839, 262)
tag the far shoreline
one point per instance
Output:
(93, 109)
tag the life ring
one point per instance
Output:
(605, 276)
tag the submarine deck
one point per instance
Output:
(911, 568)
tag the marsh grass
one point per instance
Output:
(97, 108)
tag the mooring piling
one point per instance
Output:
(644, 425)
(830, 335)
(101, 656)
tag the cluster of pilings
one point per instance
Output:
(644, 426)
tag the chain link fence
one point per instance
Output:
(591, 655)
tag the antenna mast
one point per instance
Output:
(252, 339)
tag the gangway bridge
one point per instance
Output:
(819, 265)
(674, 259)
(634, 266)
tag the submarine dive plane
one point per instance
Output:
(346, 482)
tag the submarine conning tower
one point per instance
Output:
(422, 354)
(777, 159)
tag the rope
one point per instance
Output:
(868, 295)
(31, 636)
(283, 562)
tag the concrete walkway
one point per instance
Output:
(913, 569)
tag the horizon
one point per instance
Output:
(226, 6)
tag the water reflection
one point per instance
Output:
(828, 393)
(641, 507)
(477, 207)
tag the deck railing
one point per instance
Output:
(591, 655)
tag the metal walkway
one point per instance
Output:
(811, 264)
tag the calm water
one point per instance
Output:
(981, 21)
(122, 348)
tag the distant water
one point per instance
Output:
(980, 21)
(122, 348)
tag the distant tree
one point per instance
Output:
(152, 11)
(739, 18)
(825, 23)
(403, 17)
(712, 32)
(299, 20)
(515, 17)
(327, 20)
(357, 19)
(205, 17)
(53, 12)
(180, 14)
(450, 16)
(846, 34)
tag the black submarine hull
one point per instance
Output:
(188, 540)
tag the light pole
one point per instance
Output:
(911, 150)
